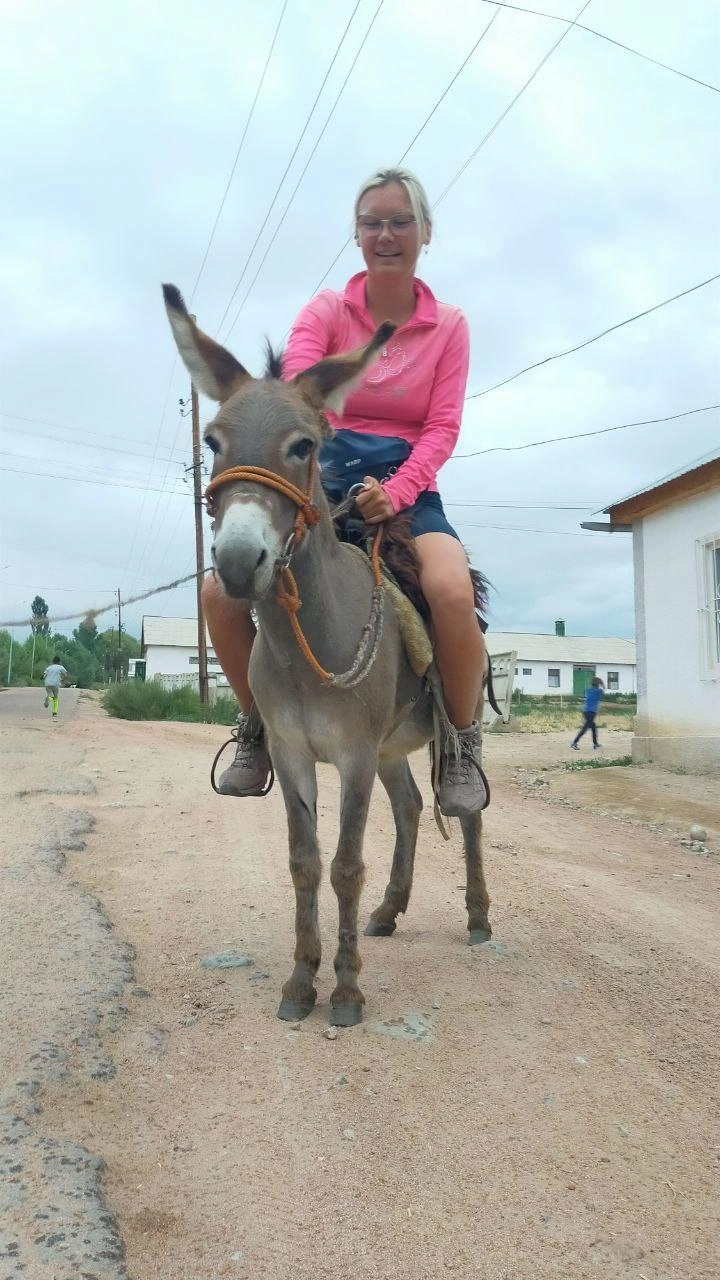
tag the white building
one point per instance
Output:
(676, 548)
(565, 665)
(170, 649)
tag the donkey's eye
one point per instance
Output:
(301, 449)
(212, 444)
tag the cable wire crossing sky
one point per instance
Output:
(566, 152)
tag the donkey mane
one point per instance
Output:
(273, 361)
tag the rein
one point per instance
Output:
(286, 588)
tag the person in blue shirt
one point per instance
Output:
(594, 695)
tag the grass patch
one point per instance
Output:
(148, 700)
(548, 714)
(598, 763)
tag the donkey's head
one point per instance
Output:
(266, 423)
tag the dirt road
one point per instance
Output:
(542, 1106)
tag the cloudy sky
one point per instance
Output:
(595, 198)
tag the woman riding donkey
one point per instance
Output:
(415, 392)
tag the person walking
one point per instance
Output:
(594, 695)
(52, 678)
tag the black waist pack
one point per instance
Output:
(351, 455)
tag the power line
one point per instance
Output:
(511, 528)
(158, 502)
(90, 444)
(582, 435)
(526, 506)
(307, 165)
(408, 149)
(509, 107)
(94, 613)
(51, 475)
(22, 586)
(249, 257)
(288, 165)
(237, 153)
(449, 86)
(96, 470)
(538, 13)
(570, 350)
(194, 288)
(152, 464)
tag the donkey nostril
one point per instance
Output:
(261, 558)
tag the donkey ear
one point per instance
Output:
(213, 369)
(328, 383)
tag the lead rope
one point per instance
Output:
(288, 597)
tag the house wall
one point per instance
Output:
(537, 681)
(174, 660)
(678, 718)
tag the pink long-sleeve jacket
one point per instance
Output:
(414, 390)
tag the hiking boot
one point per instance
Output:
(249, 772)
(463, 786)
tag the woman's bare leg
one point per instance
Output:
(460, 659)
(459, 642)
(232, 632)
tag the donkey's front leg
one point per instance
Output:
(346, 876)
(299, 788)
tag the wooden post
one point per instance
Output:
(199, 550)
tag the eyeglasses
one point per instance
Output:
(400, 224)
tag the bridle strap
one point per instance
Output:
(307, 515)
(307, 512)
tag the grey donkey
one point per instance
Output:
(363, 730)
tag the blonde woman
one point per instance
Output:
(414, 392)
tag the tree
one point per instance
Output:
(114, 660)
(87, 635)
(40, 610)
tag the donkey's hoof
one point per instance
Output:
(477, 936)
(346, 1015)
(379, 928)
(295, 1010)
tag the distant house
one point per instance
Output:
(564, 665)
(170, 649)
(676, 548)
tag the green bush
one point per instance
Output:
(148, 700)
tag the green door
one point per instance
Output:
(582, 679)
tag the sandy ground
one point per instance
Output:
(542, 1106)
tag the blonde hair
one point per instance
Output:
(414, 190)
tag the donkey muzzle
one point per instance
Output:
(245, 550)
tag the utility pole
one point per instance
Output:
(199, 550)
(10, 658)
(119, 666)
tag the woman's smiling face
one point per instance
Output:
(387, 232)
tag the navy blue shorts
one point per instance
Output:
(428, 516)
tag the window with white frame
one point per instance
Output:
(527, 671)
(613, 681)
(709, 590)
(553, 677)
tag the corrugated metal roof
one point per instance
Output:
(531, 646)
(697, 465)
(177, 632)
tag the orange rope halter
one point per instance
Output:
(307, 515)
